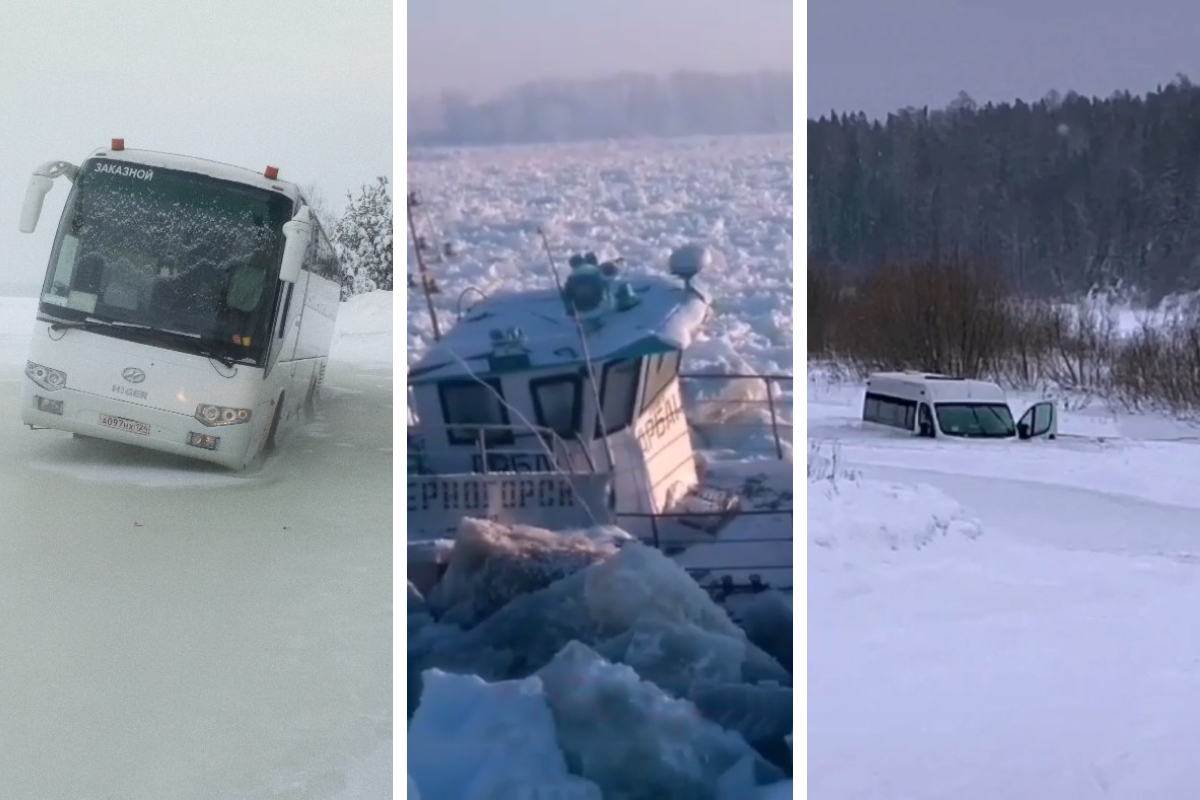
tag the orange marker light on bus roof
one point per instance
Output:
(118, 144)
(271, 173)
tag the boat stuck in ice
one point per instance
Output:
(563, 408)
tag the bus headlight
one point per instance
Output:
(213, 416)
(48, 379)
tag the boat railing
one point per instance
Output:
(770, 393)
(553, 453)
(755, 408)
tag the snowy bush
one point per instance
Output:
(363, 238)
(825, 464)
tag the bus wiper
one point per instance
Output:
(91, 322)
(197, 346)
(227, 361)
(154, 333)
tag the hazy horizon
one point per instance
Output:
(528, 40)
(875, 58)
(501, 91)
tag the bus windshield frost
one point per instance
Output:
(186, 260)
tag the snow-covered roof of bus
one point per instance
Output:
(214, 169)
(666, 318)
(940, 388)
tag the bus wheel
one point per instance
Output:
(274, 430)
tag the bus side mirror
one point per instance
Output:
(35, 194)
(297, 233)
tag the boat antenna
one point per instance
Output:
(589, 367)
(413, 202)
(550, 257)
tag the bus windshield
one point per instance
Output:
(982, 420)
(191, 259)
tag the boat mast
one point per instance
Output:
(425, 282)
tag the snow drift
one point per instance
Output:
(853, 520)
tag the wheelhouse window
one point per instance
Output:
(618, 393)
(890, 411)
(660, 371)
(472, 408)
(976, 420)
(556, 403)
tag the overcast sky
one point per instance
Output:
(482, 46)
(303, 85)
(878, 56)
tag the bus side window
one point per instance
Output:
(890, 411)
(321, 259)
(871, 409)
(283, 314)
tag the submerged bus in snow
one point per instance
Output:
(933, 405)
(188, 306)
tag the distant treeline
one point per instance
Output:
(1062, 195)
(617, 107)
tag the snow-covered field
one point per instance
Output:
(171, 630)
(637, 681)
(999, 620)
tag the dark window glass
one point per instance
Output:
(618, 391)
(889, 411)
(556, 404)
(192, 257)
(982, 420)
(468, 405)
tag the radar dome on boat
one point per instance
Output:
(688, 261)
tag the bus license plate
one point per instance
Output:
(127, 425)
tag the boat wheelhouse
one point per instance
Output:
(562, 408)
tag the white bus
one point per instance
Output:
(188, 306)
(933, 406)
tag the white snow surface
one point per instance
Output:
(175, 630)
(1005, 619)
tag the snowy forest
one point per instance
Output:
(1060, 196)
(362, 237)
(616, 107)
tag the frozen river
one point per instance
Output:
(173, 630)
